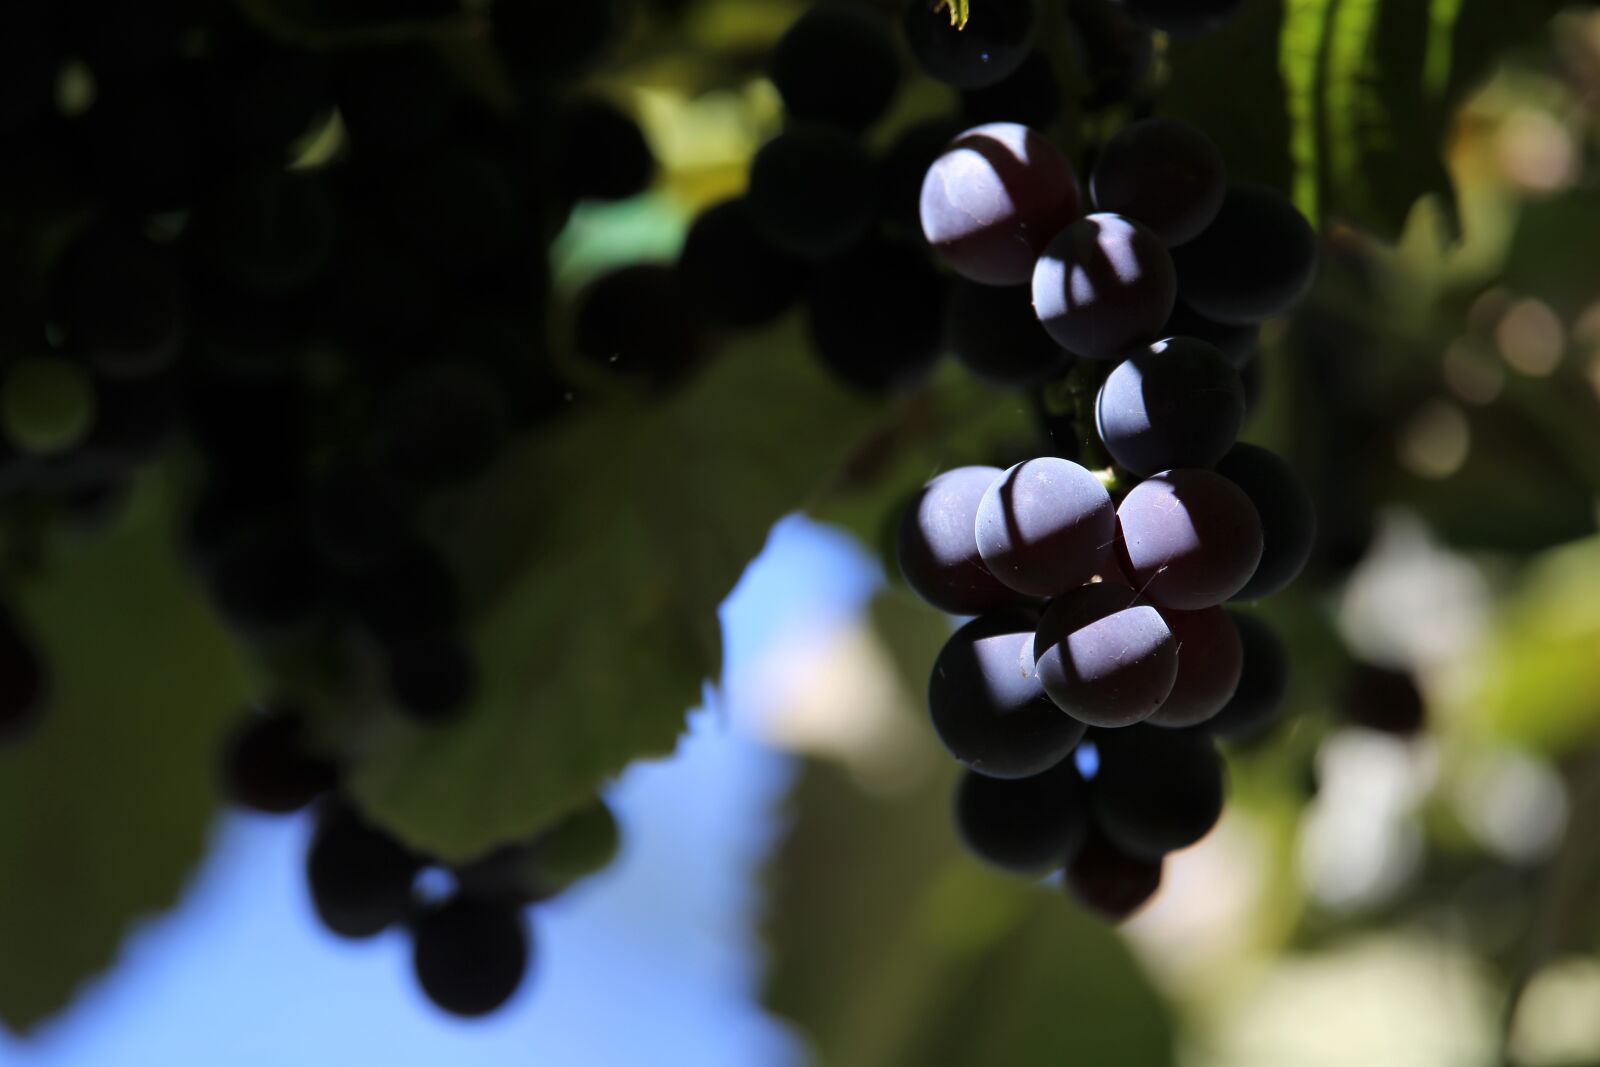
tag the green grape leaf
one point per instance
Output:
(106, 808)
(960, 11)
(889, 947)
(608, 545)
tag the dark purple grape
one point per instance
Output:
(470, 955)
(876, 315)
(988, 705)
(1024, 825)
(994, 199)
(1163, 173)
(1210, 662)
(995, 334)
(1288, 521)
(938, 548)
(357, 517)
(906, 166)
(1174, 404)
(604, 154)
(1238, 343)
(1108, 881)
(268, 764)
(1185, 18)
(1263, 682)
(1383, 699)
(1104, 658)
(408, 595)
(268, 231)
(813, 191)
(1156, 791)
(1045, 527)
(637, 322)
(1257, 260)
(734, 275)
(1104, 286)
(992, 45)
(1188, 539)
(393, 98)
(1030, 95)
(1115, 51)
(445, 423)
(540, 42)
(360, 877)
(837, 65)
(271, 584)
(432, 677)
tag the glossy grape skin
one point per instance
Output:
(1239, 344)
(995, 334)
(876, 315)
(988, 706)
(1156, 791)
(1164, 173)
(837, 65)
(992, 45)
(813, 191)
(1023, 825)
(1186, 18)
(994, 199)
(268, 766)
(1257, 260)
(732, 274)
(1103, 286)
(470, 955)
(1263, 683)
(1188, 539)
(938, 549)
(1288, 520)
(1104, 658)
(1210, 664)
(1045, 527)
(1109, 881)
(1174, 404)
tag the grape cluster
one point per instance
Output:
(471, 942)
(1086, 696)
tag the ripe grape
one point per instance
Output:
(905, 167)
(1024, 825)
(1288, 521)
(813, 191)
(1189, 539)
(1238, 343)
(392, 98)
(1263, 682)
(357, 517)
(1384, 699)
(269, 766)
(1045, 527)
(268, 231)
(992, 45)
(837, 65)
(938, 549)
(360, 877)
(445, 423)
(988, 705)
(1156, 791)
(731, 273)
(995, 334)
(1108, 881)
(1104, 658)
(1210, 664)
(431, 676)
(272, 583)
(544, 42)
(1257, 260)
(470, 955)
(604, 154)
(876, 315)
(123, 303)
(635, 321)
(1103, 286)
(994, 199)
(410, 593)
(1030, 95)
(1163, 173)
(1176, 403)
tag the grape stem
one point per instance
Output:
(1073, 395)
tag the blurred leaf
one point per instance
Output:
(889, 947)
(609, 544)
(105, 809)
(1229, 83)
(960, 11)
(1541, 680)
(1552, 252)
